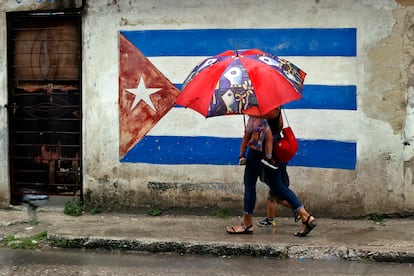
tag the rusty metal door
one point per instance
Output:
(44, 103)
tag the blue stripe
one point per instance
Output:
(335, 97)
(325, 154)
(281, 42)
(176, 150)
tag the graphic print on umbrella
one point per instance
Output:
(241, 82)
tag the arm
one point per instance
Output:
(243, 145)
(280, 121)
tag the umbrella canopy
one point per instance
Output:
(241, 82)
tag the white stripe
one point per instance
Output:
(320, 70)
(306, 123)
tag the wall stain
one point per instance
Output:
(387, 86)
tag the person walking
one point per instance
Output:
(251, 154)
(253, 170)
(278, 181)
(275, 121)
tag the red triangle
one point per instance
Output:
(134, 124)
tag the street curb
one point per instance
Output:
(281, 251)
(157, 246)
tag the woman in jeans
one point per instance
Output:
(253, 170)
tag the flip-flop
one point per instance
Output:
(246, 230)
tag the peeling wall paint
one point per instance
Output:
(409, 126)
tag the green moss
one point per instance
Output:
(154, 212)
(222, 213)
(61, 243)
(31, 243)
(73, 207)
(95, 210)
(378, 219)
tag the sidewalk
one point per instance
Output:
(390, 241)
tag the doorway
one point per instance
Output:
(44, 103)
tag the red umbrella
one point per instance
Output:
(241, 82)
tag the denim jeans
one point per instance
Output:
(276, 180)
(251, 172)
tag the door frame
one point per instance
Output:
(36, 15)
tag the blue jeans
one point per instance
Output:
(275, 182)
(284, 178)
(278, 182)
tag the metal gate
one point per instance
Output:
(44, 103)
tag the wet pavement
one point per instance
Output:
(55, 262)
(391, 240)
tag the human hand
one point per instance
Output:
(242, 161)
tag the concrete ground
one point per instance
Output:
(390, 240)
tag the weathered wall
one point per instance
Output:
(385, 102)
(4, 182)
(382, 126)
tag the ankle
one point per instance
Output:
(247, 221)
(308, 218)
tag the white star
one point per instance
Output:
(142, 92)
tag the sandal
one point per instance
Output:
(296, 216)
(244, 229)
(308, 227)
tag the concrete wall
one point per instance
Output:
(381, 126)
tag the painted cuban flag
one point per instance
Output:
(154, 130)
(145, 96)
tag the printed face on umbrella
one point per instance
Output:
(234, 91)
(252, 82)
(288, 69)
